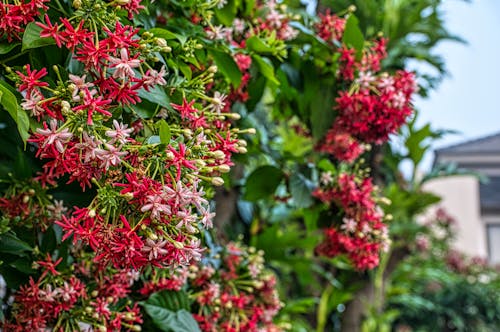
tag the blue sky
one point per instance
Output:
(468, 100)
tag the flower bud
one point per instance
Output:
(178, 245)
(218, 154)
(223, 168)
(242, 149)
(161, 42)
(170, 156)
(242, 142)
(26, 199)
(217, 181)
(122, 2)
(234, 116)
(92, 213)
(213, 69)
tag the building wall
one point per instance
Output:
(460, 198)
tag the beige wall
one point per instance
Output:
(460, 198)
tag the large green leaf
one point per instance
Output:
(11, 244)
(301, 189)
(9, 101)
(322, 113)
(262, 182)
(164, 132)
(156, 95)
(256, 44)
(227, 13)
(227, 66)
(32, 39)
(353, 37)
(266, 68)
(169, 311)
(6, 48)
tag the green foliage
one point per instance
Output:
(32, 39)
(9, 102)
(169, 311)
(262, 182)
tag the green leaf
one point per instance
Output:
(162, 33)
(170, 321)
(353, 37)
(6, 48)
(256, 44)
(168, 35)
(326, 165)
(172, 300)
(9, 101)
(266, 68)
(301, 189)
(32, 39)
(227, 66)
(262, 182)
(164, 132)
(322, 114)
(11, 244)
(169, 311)
(227, 13)
(156, 95)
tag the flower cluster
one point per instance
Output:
(27, 204)
(375, 105)
(150, 203)
(87, 300)
(238, 295)
(362, 233)
(15, 16)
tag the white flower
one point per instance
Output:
(326, 178)
(217, 102)
(349, 225)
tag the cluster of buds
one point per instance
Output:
(237, 295)
(28, 204)
(362, 234)
(81, 301)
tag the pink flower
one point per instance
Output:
(120, 133)
(123, 65)
(156, 205)
(110, 157)
(154, 248)
(58, 139)
(153, 77)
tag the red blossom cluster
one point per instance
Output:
(379, 108)
(330, 28)
(375, 105)
(150, 204)
(362, 233)
(81, 301)
(239, 295)
(15, 16)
